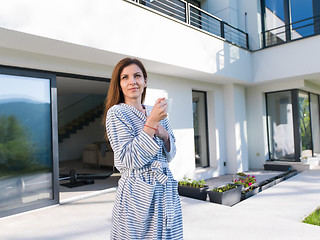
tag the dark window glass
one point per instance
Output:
(200, 128)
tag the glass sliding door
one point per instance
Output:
(315, 123)
(305, 125)
(280, 126)
(199, 100)
(26, 155)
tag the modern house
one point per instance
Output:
(242, 80)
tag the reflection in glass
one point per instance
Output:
(273, 20)
(301, 10)
(200, 128)
(280, 124)
(25, 141)
(315, 123)
(305, 127)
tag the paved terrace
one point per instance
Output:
(275, 213)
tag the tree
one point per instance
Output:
(17, 152)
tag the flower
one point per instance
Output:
(247, 181)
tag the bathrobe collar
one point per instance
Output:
(137, 112)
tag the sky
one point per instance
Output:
(36, 89)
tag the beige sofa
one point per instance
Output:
(98, 154)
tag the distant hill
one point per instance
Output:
(36, 118)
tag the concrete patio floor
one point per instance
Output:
(275, 213)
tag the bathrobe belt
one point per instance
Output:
(156, 168)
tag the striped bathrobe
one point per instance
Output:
(147, 204)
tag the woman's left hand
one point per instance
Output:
(164, 135)
(162, 132)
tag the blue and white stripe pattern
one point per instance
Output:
(147, 204)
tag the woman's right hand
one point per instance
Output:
(158, 113)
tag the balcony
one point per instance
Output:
(195, 17)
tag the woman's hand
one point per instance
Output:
(158, 113)
(164, 135)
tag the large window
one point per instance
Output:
(293, 125)
(26, 162)
(199, 100)
(287, 20)
(280, 125)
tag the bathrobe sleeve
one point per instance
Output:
(131, 149)
(170, 155)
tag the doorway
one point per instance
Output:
(85, 157)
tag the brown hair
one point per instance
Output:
(115, 94)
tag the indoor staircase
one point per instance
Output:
(80, 122)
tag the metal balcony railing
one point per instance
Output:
(287, 33)
(196, 17)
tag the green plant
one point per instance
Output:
(17, 151)
(192, 183)
(247, 181)
(241, 174)
(313, 218)
(224, 188)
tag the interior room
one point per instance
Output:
(85, 157)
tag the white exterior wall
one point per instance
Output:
(236, 128)
(249, 19)
(287, 62)
(227, 10)
(122, 27)
(257, 130)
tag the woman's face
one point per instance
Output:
(132, 83)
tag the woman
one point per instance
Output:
(147, 204)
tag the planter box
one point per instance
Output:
(193, 192)
(227, 198)
(266, 185)
(277, 167)
(290, 174)
(279, 180)
(245, 195)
